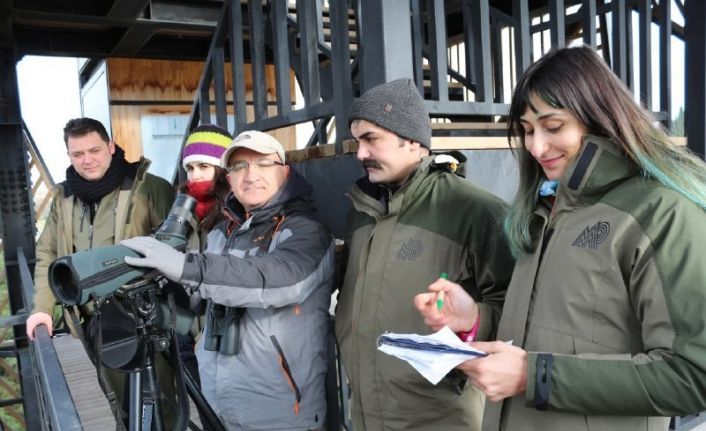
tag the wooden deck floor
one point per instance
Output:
(92, 406)
(91, 403)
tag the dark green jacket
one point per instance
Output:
(617, 295)
(136, 208)
(397, 245)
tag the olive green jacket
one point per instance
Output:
(616, 291)
(136, 208)
(398, 245)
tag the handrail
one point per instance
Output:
(57, 408)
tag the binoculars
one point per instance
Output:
(222, 329)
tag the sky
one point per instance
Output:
(49, 97)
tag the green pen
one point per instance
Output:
(440, 296)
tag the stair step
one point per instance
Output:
(352, 35)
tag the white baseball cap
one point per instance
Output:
(255, 140)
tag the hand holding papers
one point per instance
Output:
(433, 356)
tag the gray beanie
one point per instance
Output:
(396, 106)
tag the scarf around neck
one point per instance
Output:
(201, 191)
(91, 192)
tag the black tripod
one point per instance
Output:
(139, 301)
(145, 412)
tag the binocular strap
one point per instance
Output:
(109, 393)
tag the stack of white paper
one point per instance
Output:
(433, 356)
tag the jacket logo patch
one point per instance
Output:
(410, 250)
(592, 236)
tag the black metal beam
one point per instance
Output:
(309, 113)
(438, 60)
(185, 12)
(17, 210)
(385, 35)
(665, 61)
(481, 48)
(257, 58)
(308, 44)
(619, 40)
(219, 84)
(695, 29)
(128, 8)
(63, 20)
(341, 69)
(237, 64)
(417, 28)
(204, 98)
(588, 10)
(557, 27)
(523, 49)
(645, 41)
(496, 47)
(280, 46)
(451, 108)
(132, 41)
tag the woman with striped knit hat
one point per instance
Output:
(207, 183)
(206, 180)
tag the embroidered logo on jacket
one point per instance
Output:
(410, 250)
(592, 236)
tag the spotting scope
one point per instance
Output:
(102, 270)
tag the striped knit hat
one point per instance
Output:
(206, 144)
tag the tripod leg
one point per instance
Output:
(150, 400)
(135, 401)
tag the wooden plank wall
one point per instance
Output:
(139, 87)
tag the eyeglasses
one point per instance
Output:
(241, 165)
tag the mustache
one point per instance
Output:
(371, 164)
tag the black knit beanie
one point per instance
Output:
(396, 106)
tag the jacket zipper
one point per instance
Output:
(90, 229)
(83, 216)
(288, 374)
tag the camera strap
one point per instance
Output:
(72, 312)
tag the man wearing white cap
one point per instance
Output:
(267, 274)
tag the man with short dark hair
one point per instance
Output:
(413, 219)
(103, 200)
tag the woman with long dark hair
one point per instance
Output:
(207, 183)
(605, 310)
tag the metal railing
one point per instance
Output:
(55, 406)
(493, 47)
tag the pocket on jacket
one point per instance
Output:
(287, 373)
(410, 392)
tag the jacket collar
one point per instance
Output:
(378, 200)
(599, 167)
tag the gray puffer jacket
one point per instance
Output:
(277, 267)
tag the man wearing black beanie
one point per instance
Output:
(413, 219)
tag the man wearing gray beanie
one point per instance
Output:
(413, 221)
